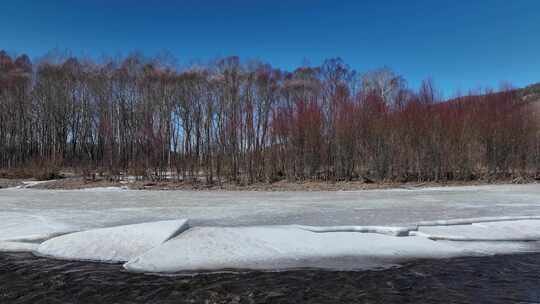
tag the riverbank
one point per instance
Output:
(75, 183)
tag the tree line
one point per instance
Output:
(247, 122)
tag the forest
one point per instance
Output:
(247, 122)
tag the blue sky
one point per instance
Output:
(460, 44)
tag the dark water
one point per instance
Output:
(499, 279)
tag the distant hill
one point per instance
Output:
(530, 93)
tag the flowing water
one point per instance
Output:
(497, 279)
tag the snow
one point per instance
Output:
(21, 226)
(29, 184)
(217, 248)
(469, 221)
(282, 247)
(114, 244)
(98, 189)
(345, 229)
(6, 246)
(395, 231)
(492, 231)
(97, 208)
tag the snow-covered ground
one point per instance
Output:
(272, 230)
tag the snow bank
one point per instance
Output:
(17, 246)
(217, 248)
(115, 244)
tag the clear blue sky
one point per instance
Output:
(461, 44)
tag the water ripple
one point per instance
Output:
(498, 279)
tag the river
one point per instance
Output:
(495, 279)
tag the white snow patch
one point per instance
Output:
(29, 184)
(114, 244)
(99, 189)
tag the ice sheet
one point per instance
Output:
(281, 247)
(6, 246)
(30, 212)
(115, 244)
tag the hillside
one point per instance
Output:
(530, 93)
